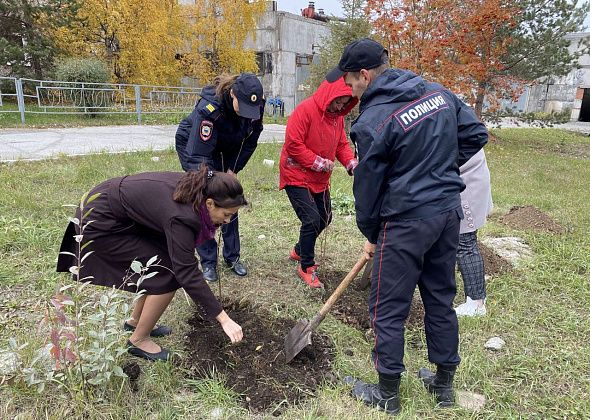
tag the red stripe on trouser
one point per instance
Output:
(377, 298)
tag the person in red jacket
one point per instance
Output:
(314, 138)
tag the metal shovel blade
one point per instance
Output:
(298, 338)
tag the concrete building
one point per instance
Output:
(286, 44)
(558, 94)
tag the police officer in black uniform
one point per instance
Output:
(222, 132)
(411, 136)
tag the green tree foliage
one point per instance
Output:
(355, 26)
(90, 70)
(26, 45)
(538, 44)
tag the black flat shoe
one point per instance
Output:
(133, 350)
(210, 274)
(238, 267)
(159, 331)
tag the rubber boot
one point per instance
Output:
(441, 384)
(384, 395)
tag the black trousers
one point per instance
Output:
(410, 253)
(315, 213)
(231, 245)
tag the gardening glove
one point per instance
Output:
(352, 163)
(322, 165)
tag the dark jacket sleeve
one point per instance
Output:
(344, 152)
(250, 144)
(181, 248)
(201, 142)
(471, 132)
(370, 177)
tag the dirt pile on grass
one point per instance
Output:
(493, 263)
(531, 218)
(352, 307)
(255, 368)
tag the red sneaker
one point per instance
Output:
(294, 256)
(310, 276)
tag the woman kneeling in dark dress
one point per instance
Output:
(140, 216)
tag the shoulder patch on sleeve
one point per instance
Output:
(206, 130)
(417, 111)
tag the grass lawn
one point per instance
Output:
(10, 118)
(540, 310)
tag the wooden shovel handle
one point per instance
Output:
(338, 292)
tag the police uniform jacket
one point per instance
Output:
(411, 136)
(214, 134)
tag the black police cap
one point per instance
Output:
(248, 89)
(360, 54)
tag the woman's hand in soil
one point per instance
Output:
(231, 329)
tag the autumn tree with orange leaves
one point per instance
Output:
(457, 44)
(482, 49)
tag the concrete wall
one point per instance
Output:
(287, 37)
(558, 93)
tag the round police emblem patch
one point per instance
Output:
(253, 98)
(206, 130)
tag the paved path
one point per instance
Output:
(35, 144)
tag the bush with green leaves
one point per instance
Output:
(86, 70)
(88, 98)
(85, 342)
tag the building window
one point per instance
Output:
(264, 62)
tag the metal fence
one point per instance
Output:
(57, 97)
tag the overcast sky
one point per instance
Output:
(331, 7)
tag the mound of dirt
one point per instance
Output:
(530, 217)
(352, 307)
(493, 263)
(255, 368)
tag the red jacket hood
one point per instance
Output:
(327, 92)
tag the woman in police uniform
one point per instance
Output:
(222, 132)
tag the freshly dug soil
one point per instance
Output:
(530, 217)
(352, 307)
(493, 264)
(133, 372)
(255, 368)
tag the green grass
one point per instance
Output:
(10, 118)
(541, 311)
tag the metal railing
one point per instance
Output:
(58, 97)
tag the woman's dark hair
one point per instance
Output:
(197, 186)
(223, 83)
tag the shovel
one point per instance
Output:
(300, 335)
(366, 277)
